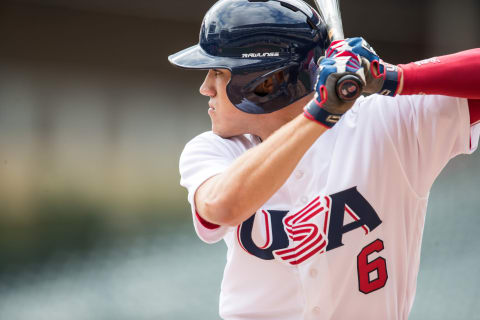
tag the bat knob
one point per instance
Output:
(349, 87)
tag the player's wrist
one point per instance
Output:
(381, 77)
(316, 113)
(326, 108)
(391, 79)
(400, 81)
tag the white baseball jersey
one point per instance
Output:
(341, 238)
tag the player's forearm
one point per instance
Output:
(233, 196)
(455, 75)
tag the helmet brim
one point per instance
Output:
(196, 58)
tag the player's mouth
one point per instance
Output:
(211, 107)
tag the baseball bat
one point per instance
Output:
(348, 87)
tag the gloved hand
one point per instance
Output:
(381, 77)
(326, 108)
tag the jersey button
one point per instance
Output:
(313, 273)
(316, 310)
(299, 174)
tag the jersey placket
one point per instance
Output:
(306, 228)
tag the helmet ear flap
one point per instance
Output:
(256, 92)
(268, 83)
(271, 84)
(265, 92)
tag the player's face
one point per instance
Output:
(227, 120)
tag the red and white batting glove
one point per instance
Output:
(382, 78)
(326, 108)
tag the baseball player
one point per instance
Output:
(321, 202)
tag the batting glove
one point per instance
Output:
(326, 108)
(381, 77)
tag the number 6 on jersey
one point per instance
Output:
(366, 268)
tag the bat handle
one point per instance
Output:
(349, 88)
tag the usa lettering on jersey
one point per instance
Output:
(317, 228)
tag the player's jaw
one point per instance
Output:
(227, 120)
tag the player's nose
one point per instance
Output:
(207, 88)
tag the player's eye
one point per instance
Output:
(217, 72)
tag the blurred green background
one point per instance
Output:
(93, 222)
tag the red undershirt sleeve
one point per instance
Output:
(454, 75)
(474, 108)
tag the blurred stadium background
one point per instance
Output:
(93, 222)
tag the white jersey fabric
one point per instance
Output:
(341, 238)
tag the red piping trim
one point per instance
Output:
(205, 223)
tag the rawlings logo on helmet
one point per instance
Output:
(260, 55)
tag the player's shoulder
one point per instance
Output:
(403, 111)
(209, 142)
(366, 108)
(380, 101)
(376, 105)
(365, 104)
(369, 112)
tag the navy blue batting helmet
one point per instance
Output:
(258, 40)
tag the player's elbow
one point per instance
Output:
(221, 212)
(221, 205)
